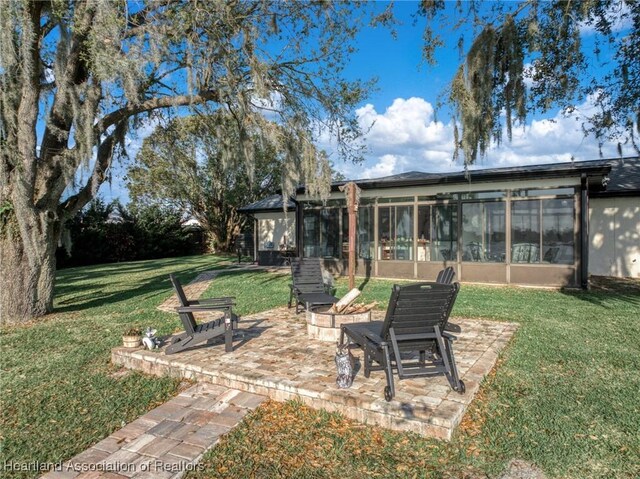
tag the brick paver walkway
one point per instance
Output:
(166, 442)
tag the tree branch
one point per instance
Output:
(137, 21)
(58, 126)
(130, 110)
(29, 96)
(75, 203)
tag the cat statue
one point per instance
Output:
(149, 340)
(345, 362)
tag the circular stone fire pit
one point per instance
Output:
(325, 326)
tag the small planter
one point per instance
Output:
(131, 341)
(131, 338)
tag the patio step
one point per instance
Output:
(166, 442)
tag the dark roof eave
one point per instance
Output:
(478, 176)
(614, 194)
(250, 211)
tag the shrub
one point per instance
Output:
(109, 233)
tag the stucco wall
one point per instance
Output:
(272, 228)
(614, 235)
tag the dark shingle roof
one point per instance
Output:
(418, 178)
(271, 203)
(624, 178)
(623, 173)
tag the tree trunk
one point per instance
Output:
(212, 241)
(26, 280)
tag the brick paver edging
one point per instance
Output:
(166, 442)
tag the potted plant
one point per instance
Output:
(131, 337)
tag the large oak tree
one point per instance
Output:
(76, 76)
(186, 165)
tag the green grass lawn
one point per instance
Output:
(565, 396)
(58, 388)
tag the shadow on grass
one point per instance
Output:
(367, 275)
(261, 277)
(604, 290)
(97, 291)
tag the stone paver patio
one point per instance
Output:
(273, 357)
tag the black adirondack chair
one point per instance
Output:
(307, 286)
(194, 333)
(446, 275)
(414, 323)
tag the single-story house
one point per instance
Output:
(545, 225)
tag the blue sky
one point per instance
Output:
(404, 134)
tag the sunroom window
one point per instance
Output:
(542, 231)
(395, 233)
(483, 232)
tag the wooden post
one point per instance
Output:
(352, 205)
(352, 193)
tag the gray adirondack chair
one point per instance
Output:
(415, 323)
(446, 275)
(194, 333)
(307, 286)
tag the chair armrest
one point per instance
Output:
(374, 338)
(452, 328)
(450, 336)
(208, 301)
(203, 308)
(330, 290)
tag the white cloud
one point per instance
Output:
(408, 123)
(386, 166)
(618, 13)
(406, 137)
(270, 106)
(551, 140)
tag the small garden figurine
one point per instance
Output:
(150, 341)
(345, 363)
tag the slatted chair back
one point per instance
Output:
(306, 275)
(188, 320)
(446, 275)
(414, 310)
(525, 253)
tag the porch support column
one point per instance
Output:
(353, 206)
(352, 193)
(299, 226)
(584, 232)
(256, 233)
